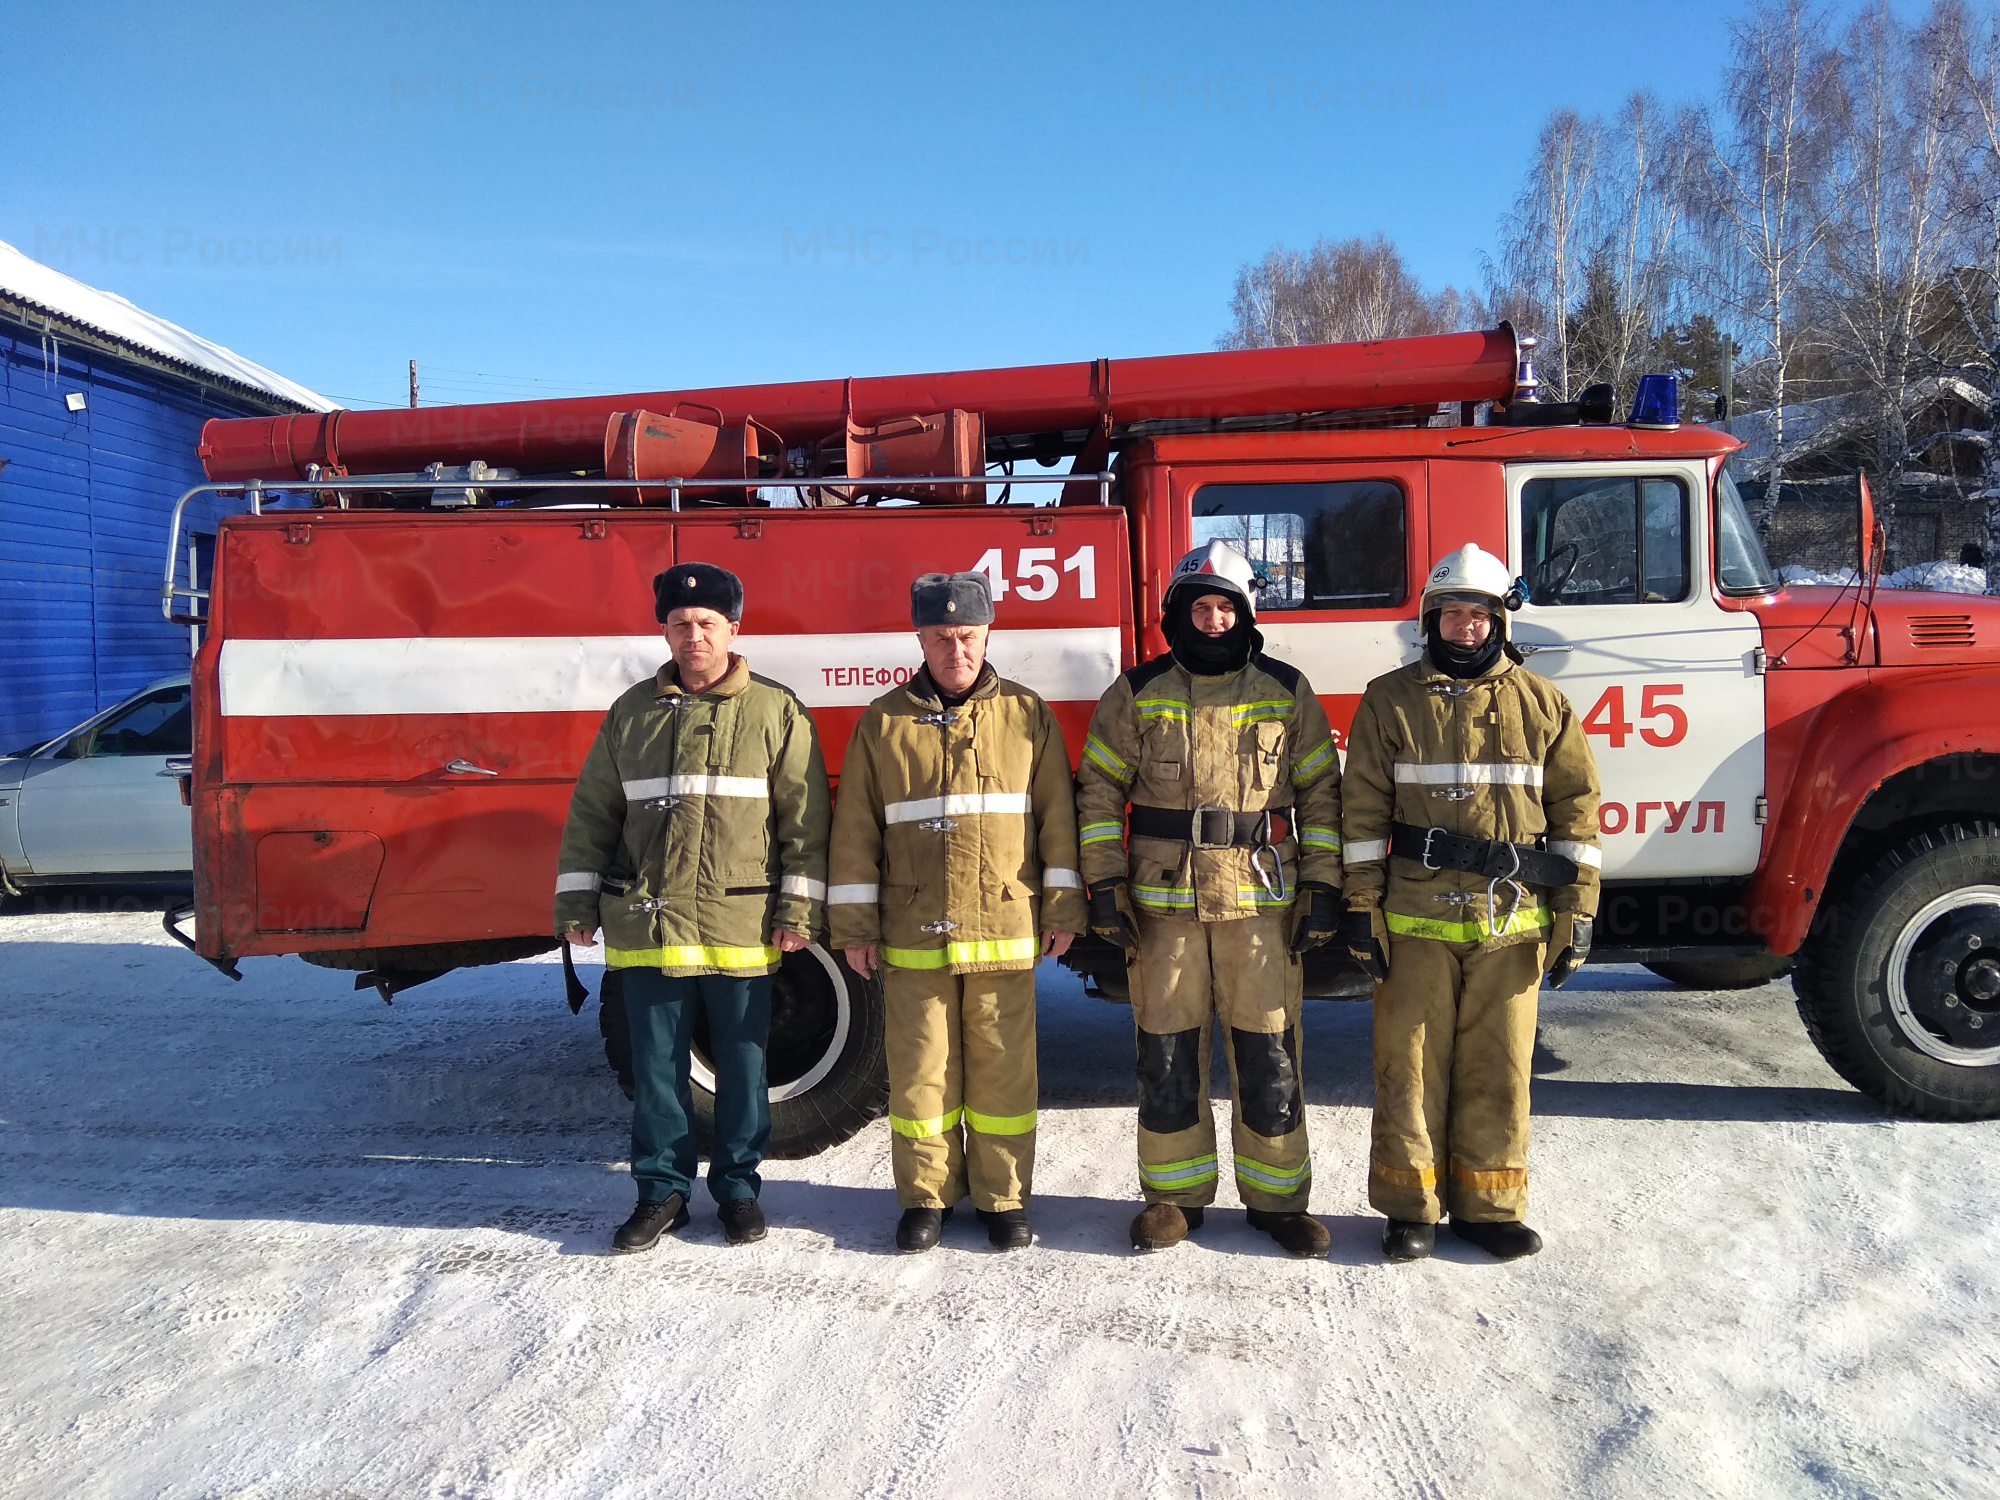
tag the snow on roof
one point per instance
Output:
(50, 291)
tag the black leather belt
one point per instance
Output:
(1436, 849)
(1211, 827)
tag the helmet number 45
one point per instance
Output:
(1607, 716)
(1034, 577)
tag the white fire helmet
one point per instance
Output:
(1473, 575)
(1216, 568)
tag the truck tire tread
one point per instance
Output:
(1840, 1001)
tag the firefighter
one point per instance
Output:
(1227, 869)
(697, 838)
(1472, 860)
(954, 846)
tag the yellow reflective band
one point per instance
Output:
(1489, 1181)
(1162, 895)
(1256, 895)
(692, 956)
(1191, 1172)
(1319, 838)
(999, 1124)
(1313, 764)
(1408, 1177)
(1160, 708)
(991, 951)
(1263, 709)
(1473, 931)
(1278, 1179)
(917, 1130)
(1106, 759)
(1102, 833)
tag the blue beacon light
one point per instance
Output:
(1656, 404)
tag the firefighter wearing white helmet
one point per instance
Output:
(1209, 798)
(1470, 824)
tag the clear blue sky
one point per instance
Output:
(627, 198)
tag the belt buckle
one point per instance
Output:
(1431, 834)
(1197, 832)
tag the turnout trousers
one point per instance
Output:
(962, 1086)
(1454, 1039)
(660, 1012)
(1185, 976)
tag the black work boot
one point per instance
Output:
(1007, 1228)
(1161, 1226)
(1300, 1234)
(919, 1229)
(649, 1221)
(742, 1221)
(1503, 1239)
(1406, 1239)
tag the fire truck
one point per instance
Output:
(410, 623)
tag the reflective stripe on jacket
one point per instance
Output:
(1248, 741)
(955, 830)
(698, 824)
(1501, 756)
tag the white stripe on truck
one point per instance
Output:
(583, 674)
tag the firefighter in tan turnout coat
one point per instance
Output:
(1227, 869)
(954, 869)
(1472, 859)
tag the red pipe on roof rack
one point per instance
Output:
(569, 433)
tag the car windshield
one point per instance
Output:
(1741, 567)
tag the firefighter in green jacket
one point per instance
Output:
(1227, 870)
(954, 869)
(1472, 859)
(697, 840)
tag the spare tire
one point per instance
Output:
(826, 1071)
(1732, 972)
(1899, 982)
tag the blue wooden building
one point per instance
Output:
(101, 407)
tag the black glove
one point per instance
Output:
(1318, 917)
(1358, 929)
(1111, 915)
(1574, 949)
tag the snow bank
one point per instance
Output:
(277, 1239)
(30, 281)
(1934, 577)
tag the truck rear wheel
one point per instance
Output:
(825, 1067)
(1899, 985)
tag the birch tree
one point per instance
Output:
(1772, 200)
(1547, 243)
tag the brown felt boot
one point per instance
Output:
(1160, 1226)
(1300, 1234)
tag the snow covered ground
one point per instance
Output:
(275, 1239)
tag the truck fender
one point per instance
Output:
(1894, 722)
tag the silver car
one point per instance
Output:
(104, 800)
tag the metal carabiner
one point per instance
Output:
(1273, 883)
(1493, 887)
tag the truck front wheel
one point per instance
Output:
(1899, 985)
(824, 1065)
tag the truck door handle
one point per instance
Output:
(177, 768)
(467, 768)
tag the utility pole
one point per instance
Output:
(413, 383)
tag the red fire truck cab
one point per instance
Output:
(411, 633)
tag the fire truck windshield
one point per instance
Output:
(1741, 567)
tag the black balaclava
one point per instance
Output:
(1464, 662)
(1208, 655)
